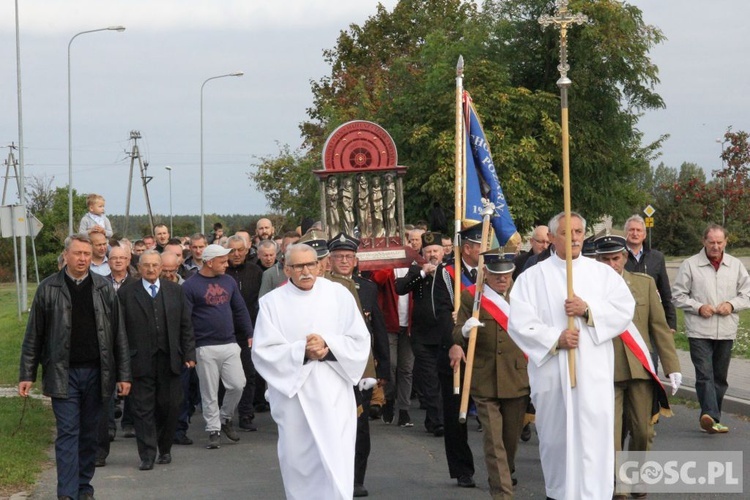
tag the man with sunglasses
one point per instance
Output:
(311, 346)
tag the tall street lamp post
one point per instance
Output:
(70, 130)
(203, 219)
(169, 169)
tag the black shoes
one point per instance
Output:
(228, 428)
(526, 433)
(214, 440)
(376, 411)
(438, 431)
(404, 420)
(387, 413)
(164, 459)
(360, 491)
(147, 464)
(182, 439)
(128, 431)
(247, 425)
(466, 481)
(100, 462)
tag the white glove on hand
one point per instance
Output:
(676, 380)
(265, 395)
(366, 384)
(470, 323)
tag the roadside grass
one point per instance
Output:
(741, 348)
(24, 442)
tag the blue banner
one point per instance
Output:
(481, 179)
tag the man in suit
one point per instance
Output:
(160, 335)
(499, 382)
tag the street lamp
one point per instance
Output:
(70, 130)
(169, 169)
(237, 73)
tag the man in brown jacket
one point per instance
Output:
(499, 383)
(634, 386)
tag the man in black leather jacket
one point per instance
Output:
(76, 333)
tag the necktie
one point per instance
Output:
(473, 274)
(153, 290)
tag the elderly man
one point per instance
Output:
(651, 262)
(539, 242)
(75, 331)
(635, 378)
(311, 346)
(499, 383)
(219, 316)
(266, 254)
(274, 276)
(711, 287)
(415, 239)
(577, 460)
(160, 335)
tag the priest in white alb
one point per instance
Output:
(311, 346)
(574, 424)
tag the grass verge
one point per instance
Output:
(25, 447)
(741, 348)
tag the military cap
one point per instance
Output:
(473, 234)
(343, 241)
(317, 240)
(610, 241)
(431, 238)
(589, 246)
(497, 262)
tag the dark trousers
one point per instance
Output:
(191, 397)
(127, 413)
(711, 361)
(457, 451)
(77, 420)
(156, 401)
(362, 445)
(106, 423)
(426, 378)
(246, 407)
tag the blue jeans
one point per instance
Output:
(77, 419)
(711, 361)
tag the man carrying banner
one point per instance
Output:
(499, 383)
(574, 424)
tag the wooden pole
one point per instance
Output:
(488, 210)
(460, 152)
(563, 19)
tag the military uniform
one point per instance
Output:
(634, 390)
(500, 389)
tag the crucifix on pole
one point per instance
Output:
(563, 20)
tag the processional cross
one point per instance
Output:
(563, 19)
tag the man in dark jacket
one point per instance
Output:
(76, 332)
(649, 261)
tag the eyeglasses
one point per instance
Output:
(541, 242)
(336, 256)
(301, 267)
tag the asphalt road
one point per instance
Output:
(405, 463)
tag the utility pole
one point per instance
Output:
(135, 154)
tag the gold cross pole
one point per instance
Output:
(563, 19)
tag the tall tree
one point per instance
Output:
(398, 69)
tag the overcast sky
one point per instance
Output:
(148, 78)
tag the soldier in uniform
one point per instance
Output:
(343, 249)
(500, 382)
(634, 385)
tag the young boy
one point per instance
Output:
(95, 216)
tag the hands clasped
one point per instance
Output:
(316, 348)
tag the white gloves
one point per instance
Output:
(470, 323)
(676, 380)
(366, 384)
(265, 395)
